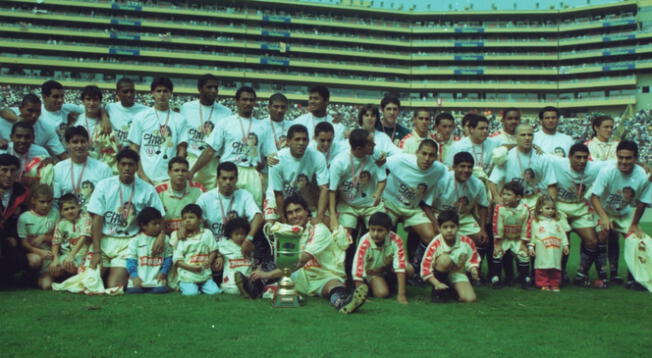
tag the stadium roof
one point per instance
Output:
(463, 5)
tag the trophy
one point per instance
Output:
(285, 244)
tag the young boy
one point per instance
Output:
(237, 268)
(195, 253)
(148, 273)
(35, 229)
(510, 228)
(72, 237)
(379, 253)
(447, 259)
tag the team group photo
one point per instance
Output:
(262, 212)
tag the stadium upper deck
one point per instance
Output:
(597, 57)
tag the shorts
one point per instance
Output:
(458, 276)
(206, 176)
(579, 215)
(468, 225)
(621, 223)
(114, 251)
(249, 180)
(349, 215)
(517, 247)
(78, 260)
(410, 217)
(311, 286)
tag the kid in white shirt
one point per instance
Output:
(236, 267)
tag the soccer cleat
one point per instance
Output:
(356, 299)
(545, 288)
(440, 296)
(496, 284)
(616, 280)
(243, 285)
(554, 289)
(526, 283)
(581, 281)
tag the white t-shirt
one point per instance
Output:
(233, 262)
(88, 123)
(121, 118)
(289, 174)
(481, 153)
(84, 178)
(335, 150)
(501, 137)
(59, 119)
(119, 204)
(157, 144)
(279, 131)
(218, 209)
(558, 144)
(242, 141)
(573, 186)
(384, 145)
(618, 192)
(531, 170)
(460, 196)
(600, 150)
(355, 178)
(200, 122)
(407, 184)
(309, 121)
(44, 134)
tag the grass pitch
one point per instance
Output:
(509, 322)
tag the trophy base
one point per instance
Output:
(286, 301)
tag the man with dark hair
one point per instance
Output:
(318, 98)
(477, 144)
(29, 111)
(444, 127)
(69, 174)
(297, 160)
(14, 200)
(511, 118)
(32, 156)
(177, 192)
(242, 140)
(201, 117)
(320, 270)
(548, 138)
(54, 110)
(277, 108)
(324, 142)
(113, 206)
(157, 134)
(122, 113)
(390, 106)
(620, 195)
(421, 120)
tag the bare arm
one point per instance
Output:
(204, 158)
(96, 231)
(9, 115)
(182, 150)
(280, 206)
(495, 193)
(605, 222)
(136, 148)
(322, 204)
(332, 204)
(428, 211)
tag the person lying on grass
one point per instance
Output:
(447, 259)
(320, 270)
(380, 254)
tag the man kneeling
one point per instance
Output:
(447, 259)
(320, 270)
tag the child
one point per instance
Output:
(195, 253)
(380, 252)
(510, 225)
(35, 229)
(72, 237)
(448, 257)
(548, 240)
(237, 268)
(148, 273)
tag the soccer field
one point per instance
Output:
(507, 322)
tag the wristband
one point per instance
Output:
(250, 238)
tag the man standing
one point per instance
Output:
(620, 196)
(201, 117)
(114, 206)
(421, 120)
(318, 99)
(80, 170)
(32, 157)
(548, 138)
(511, 119)
(390, 106)
(122, 113)
(477, 143)
(242, 140)
(444, 127)
(157, 134)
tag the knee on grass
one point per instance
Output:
(467, 297)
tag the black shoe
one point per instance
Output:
(440, 296)
(526, 283)
(581, 281)
(635, 286)
(617, 280)
(476, 283)
(508, 281)
(497, 284)
(356, 299)
(565, 280)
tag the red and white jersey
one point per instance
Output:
(140, 249)
(371, 257)
(600, 150)
(438, 246)
(511, 223)
(174, 202)
(444, 146)
(549, 238)
(233, 262)
(410, 143)
(195, 250)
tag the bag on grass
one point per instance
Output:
(638, 255)
(87, 281)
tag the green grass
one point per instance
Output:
(507, 322)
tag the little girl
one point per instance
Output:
(35, 229)
(72, 237)
(236, 267)
(547, 235)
